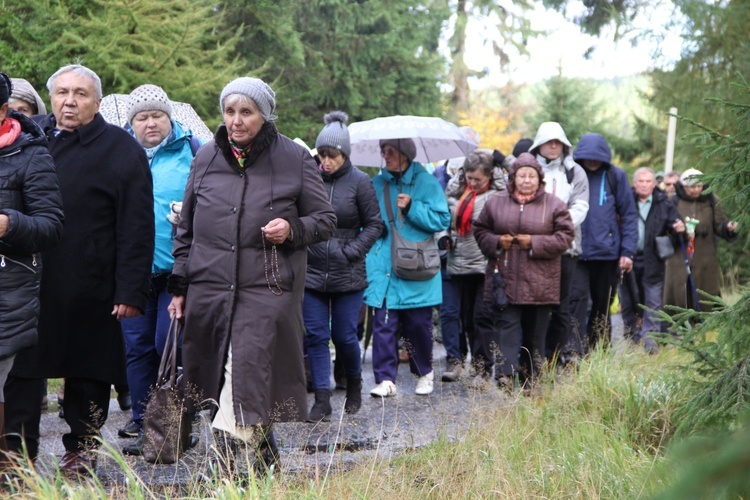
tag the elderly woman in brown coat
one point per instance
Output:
(523, 231)
(702, 243)
(253, 202)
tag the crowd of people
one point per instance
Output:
(266, 252)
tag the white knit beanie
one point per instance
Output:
(691, 177)
(148, 98)
(257, 90)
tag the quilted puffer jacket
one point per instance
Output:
(338, 265)
(30, 197)
(531, 276)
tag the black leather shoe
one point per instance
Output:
(131, 430)
(78, 463)
(134, 449)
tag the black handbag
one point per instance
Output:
(499, 297)
(411, 260)
(166, 422)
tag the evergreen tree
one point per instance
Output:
(129, 42)
(369, 59)
(716, 49)
(569, 102)
(720, 342)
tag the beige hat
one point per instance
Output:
(691, 177)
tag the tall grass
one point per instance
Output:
(597, 432)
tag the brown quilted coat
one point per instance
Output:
(532, 276)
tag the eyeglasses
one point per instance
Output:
(331, 153)
(388, 151)
(669, 183)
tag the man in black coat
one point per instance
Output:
(657, 216)
(97, 275)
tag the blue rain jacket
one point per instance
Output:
(427, 215)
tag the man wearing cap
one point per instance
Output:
(702, 244)
(565, 179)
(419, 210)
(169, 148)
(97, 275)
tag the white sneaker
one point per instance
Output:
(425, 384)
(384, 389)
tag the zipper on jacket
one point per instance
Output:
(33, 262)
(328, 241)
(515, 264)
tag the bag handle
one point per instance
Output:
(388, 209)
(168, 364)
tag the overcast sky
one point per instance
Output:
(566, 45)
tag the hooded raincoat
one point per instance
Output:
(557, 172)
(610, 230)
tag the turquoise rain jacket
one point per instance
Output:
(170, 167)
(427, 215)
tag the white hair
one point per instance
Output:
(81, 71)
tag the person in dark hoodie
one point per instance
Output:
(31, 220)
(609, 238)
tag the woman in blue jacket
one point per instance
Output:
(420, 210)
(170, 150)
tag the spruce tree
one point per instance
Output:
(170, 43)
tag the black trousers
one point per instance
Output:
(86, 406)
(562, 340)
(23, 412)
(520, 332)
(594, 280)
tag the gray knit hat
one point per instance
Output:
(335, 134)
(148, 98)
(257, 90)
(406, 146)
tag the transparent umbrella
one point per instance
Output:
(114, 109)
(435, 138)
